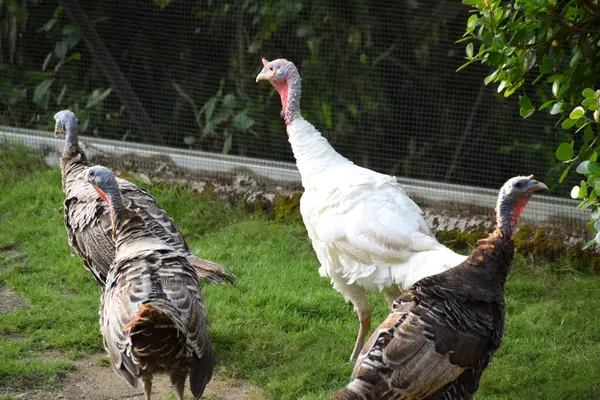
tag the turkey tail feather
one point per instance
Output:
(211, 272)
(153, 332)
(201, 370)
(148, 317)
(127, 371)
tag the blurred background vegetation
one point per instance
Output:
(379, 80)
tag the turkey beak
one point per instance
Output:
(264, 73)
(537, 186)
(262, 76)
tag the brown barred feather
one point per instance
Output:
(440, 335)
(153, 318)
(87, 217)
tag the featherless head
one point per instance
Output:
(66, 123)
(284, 77)
(103, 181)
(276, 71)
(513, 198)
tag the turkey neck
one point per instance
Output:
(312, 151)
(508, 212)
(290, 92)
(73, 159)
(127, 225)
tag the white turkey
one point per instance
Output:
(152, 315)
(87, 218)
(367, 233)
(441, 334)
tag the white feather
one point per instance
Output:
(364, 229)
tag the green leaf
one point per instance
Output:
(587, 92)
(189, 140)
(228, 100)
(582, 168)
(327, 114)
(581, 123)
(513, 88)
(41, 89)
(494, 58)
(575, 58)
(588, 135)
(583, 190)
(501, 86)
(556, 108)
(470, 50)
(97, 97)
(48, 25)
(537, 78)
(568, 124)
(596, 212)
(220, 116)
(565, 173)
(589, 101)
(577, 113)
(466, 64)
(61, 95)
(546, 104)
(593, 168)
(61, 48)
(472, 22)
(490, 77)
(242, 121)
(527, 107)
(464, 39)
(565, 151)
(57, 11)
(15, 95)
(546, 65)
(597, 238)
(67, 29)
(209, 108)
(162, 3)
(555, 87)
(589, 244)
(73, 38)
(227, 143)
(209, 129)
(529, 60)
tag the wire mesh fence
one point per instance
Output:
(379, 81)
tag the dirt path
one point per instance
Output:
(91, 381)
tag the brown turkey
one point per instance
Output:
(87, 217)
(442, 333)
(152, 315)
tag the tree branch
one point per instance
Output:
(111, 70)
(465, 135)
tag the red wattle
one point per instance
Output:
(519, 208)
(101, 193)
(283, 90)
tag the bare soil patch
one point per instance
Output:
(92, 381)
(10, 300)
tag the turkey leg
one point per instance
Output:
(364, 317)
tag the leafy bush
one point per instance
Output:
(552, 47)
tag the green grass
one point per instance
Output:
(282, 327)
